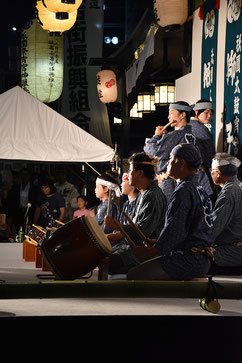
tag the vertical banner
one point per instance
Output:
(209, 56)
(80, 102)
(232, 129)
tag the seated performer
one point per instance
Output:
(149, 212)
(104, 183)
(129, 205)
(182, 249)
(227, 212)
(203, 115)
(161, 144)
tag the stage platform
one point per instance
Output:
(14, 269)
(101, 323)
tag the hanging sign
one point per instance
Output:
(80, 101)
(209, 57)
(233, 77)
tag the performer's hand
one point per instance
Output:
(109, 223)
(159, 130)
(144, 253)
(113, 237)
(149, 242)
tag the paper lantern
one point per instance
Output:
(49, 21)
(172, 12)
(107, 86)
(164, 94)
(62, 6)
(41, 62)
(146, 102)
(134, 112)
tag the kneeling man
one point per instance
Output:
(227, 211)
(183, 248)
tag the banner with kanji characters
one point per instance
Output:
(80, 102)
(209, 57)
(232, 129)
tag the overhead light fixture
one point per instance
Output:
(164, 93)
(134, 112)
(107, 40)
(146, 102)
(115, 40)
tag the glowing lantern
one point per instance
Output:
(62, 6)
(49, 21)
(41, 63)
(134, 112)
(172, 12)
(146, 102)
(107, 86)
(164, 94)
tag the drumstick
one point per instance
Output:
(125, 235)
(109, 200)
(59, 222)
(139, 232)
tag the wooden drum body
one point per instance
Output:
(75, 248)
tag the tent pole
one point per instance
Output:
(92, 168)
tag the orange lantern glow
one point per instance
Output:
(49, 21)
(107, 86)
(62, 6)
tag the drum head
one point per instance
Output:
(98, 233)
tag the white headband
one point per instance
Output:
(110, 185)
(203, 106)
(177, 106)
(228, 161)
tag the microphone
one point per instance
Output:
(26, 216)
(27, 209)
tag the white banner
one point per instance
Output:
(80, 102)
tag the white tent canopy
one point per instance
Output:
(31, 130)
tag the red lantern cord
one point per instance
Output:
(201, 12)
(201, 9)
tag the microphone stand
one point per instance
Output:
(26, 218)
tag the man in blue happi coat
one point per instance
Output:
(183, 249)
(149, 212)
(200, 125)
(161, 144)
(227, 214)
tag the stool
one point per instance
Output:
(29, 252)
(38, 257)
(45, 267)
(103, 269)
(24, 249)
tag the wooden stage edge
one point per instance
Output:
(121, 288)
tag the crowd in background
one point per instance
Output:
(23, 194)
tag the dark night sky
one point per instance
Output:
(14, 13)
